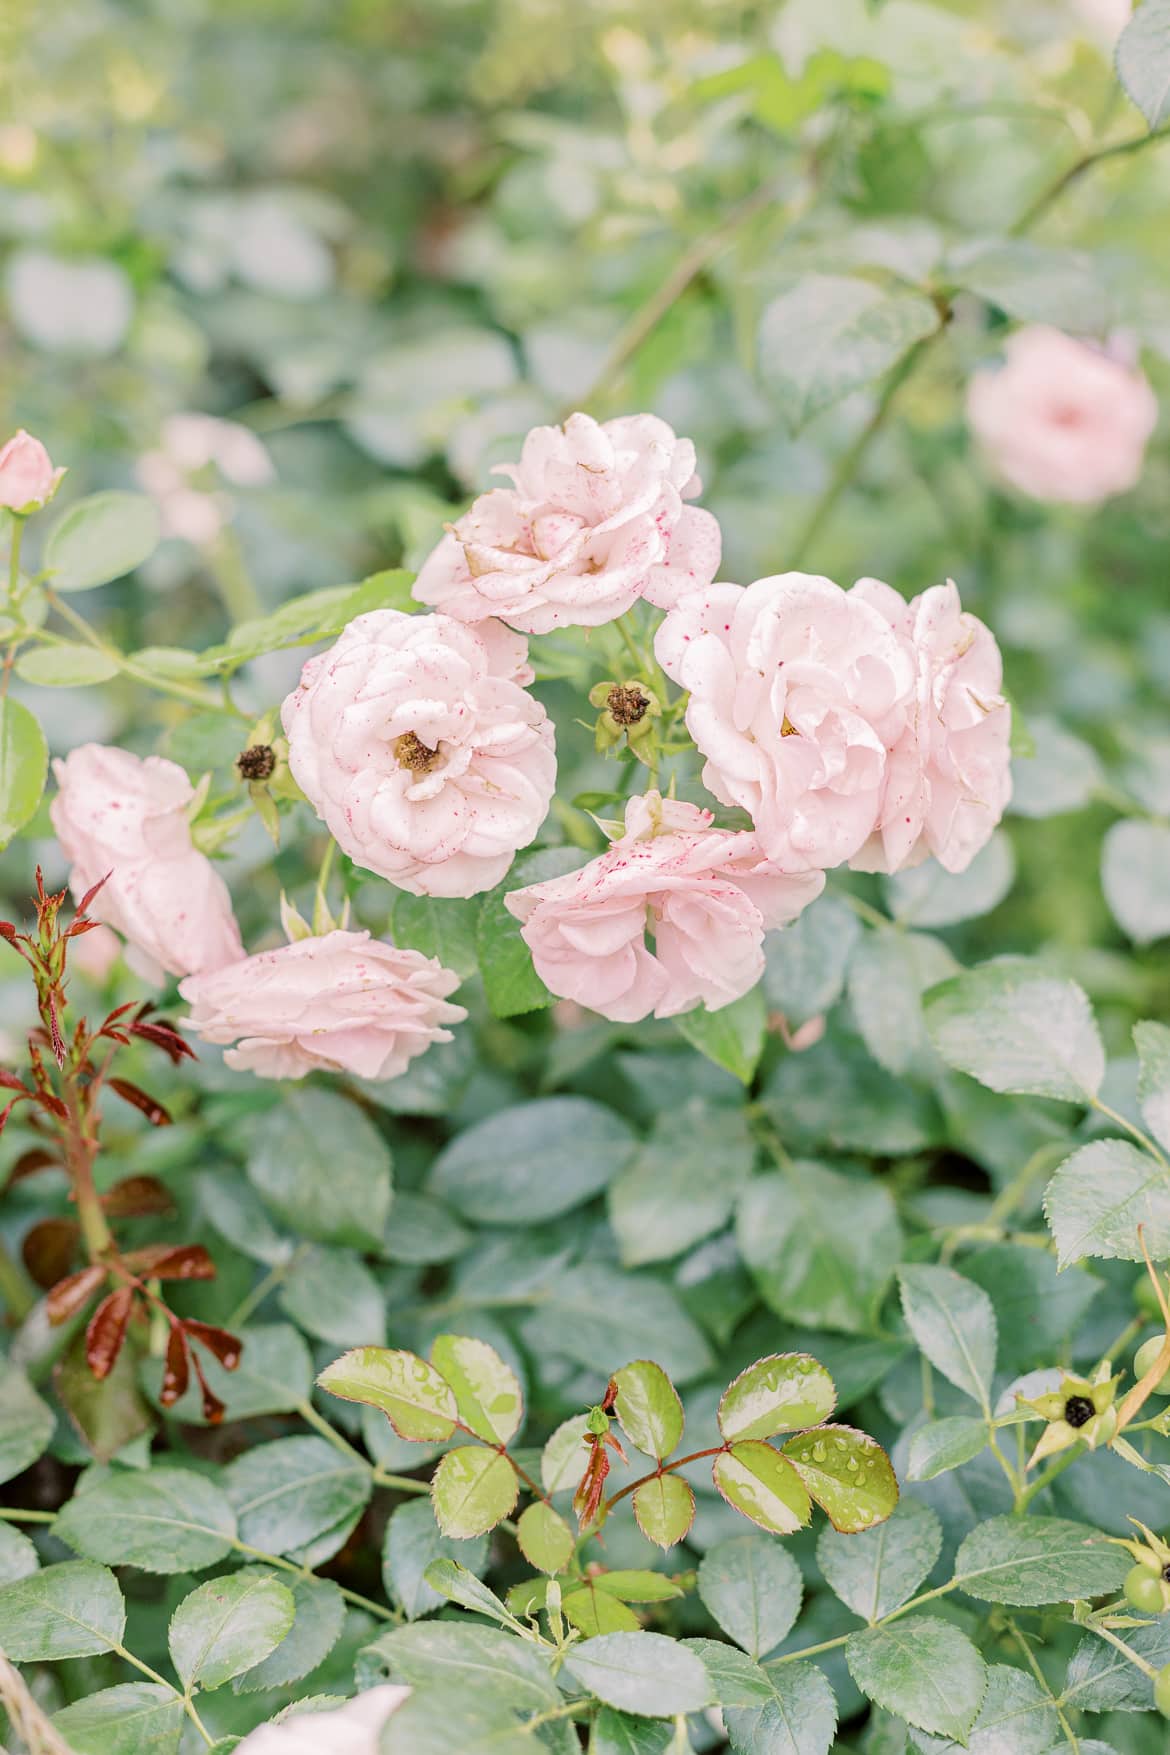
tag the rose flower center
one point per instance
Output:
(411, 752)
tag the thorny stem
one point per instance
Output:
(80, 1150)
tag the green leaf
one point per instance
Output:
(953, 1322)
(472, 1491)
(928, 895)
(1037, 283)
(18, 1556)
(24, 765)
(440, 928)
(1026, 1561)
(752, 1587)
(487, 1392)
(458, 1584)
(423, 1231)
(323, 1168)
(783, 1393)
(806, 962)
(877, 1571)
(1153, 1046)
(664, 1508)
(101, 538)
(544, 1538)
(1135, 857)
(67, 666)
(1098, 1198)
(1102, 1679)
(638, 1584)
(109, 1412)
(945, 1445)
(809, 1266)
(620, 1733)
(319, 1616)
(136, 1718)
(835, 1094)
(593, 1613)
(1016, 1029)
(763, 1485)
(501, 1171)
(274, 1376)
(418, 1403)
(510, 982)
(599, 1313)
(1143, 60)
(333, 1295)
(889, 973)
(1017, 1717)
(160, 1519)
(462, 1658)
(847, 1473)
(288, 1493)
(413, 1541)
(71, 1610)
(924, 1670)
(830, 334)
(736, 1678)
(1060, 774)
(648, 1407)
(227, 1625)
(667, 1200)
(1036, 1306)
(643, 1673)
(799, 1718)
(733, 1036)
(28, 1421)
(563, 1459)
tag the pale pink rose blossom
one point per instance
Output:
(119, 814)
(27, 477)
(1062, 420)
(352, 1729)
(797, 691)
(416, 744)
(344, 1002)
(594, 520)
(95, 953)
(705, 895)
(948, 777)
(193, 448)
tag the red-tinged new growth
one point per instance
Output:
(587, 1498)
(69, 1065)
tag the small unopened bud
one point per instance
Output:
(28, 480)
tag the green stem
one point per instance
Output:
(18, 1514)
(1089, 162)
(1030, 1659)
(252, 1300)
(188, 1703)
(320, 1424)
(14, 559)
(161, 685)
(1029, 1493)
(400, 1483)
(282, 1565)
(1140, 1662)
(1134, 1132)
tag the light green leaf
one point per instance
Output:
(27, 1420)
(648, 1408)
(847, 1473)
(101, 538)
(1026, 1561)
(1036, 1306)
(666, 1200)
(510, 982)
(18, 1556)
(1098, 1198)
(1061, 774)
(422, 1230)
(161, 1519)
(945, 1445)
(334, 1296)
(227, 1625)
(592, 1612)
(438, 927)
(1102, 1679)
(67, 666)
(418, 1403)
(643, 1673)
(953, 1322)
(487, 1392)
(136, 1718)
(1153, 1046)
(752, 1587)
(889, 973)
(877, 1571)
(1037, 283)
(738, 1680)
(288, 1493)
(472, 1490)
(664, 1508)
(783, 1393)
(799, 1718)
(458, 1584)
(500, 1171)
(24, 765)
(763, 1485)
(413, 1541)
(1017, 1717)
(809, 1267)
(804, 974)
(319, 1616)
(563, 1459)
(621, 1733)
(544, 1538)
(1135, 857)
(462, 1658)
(928, 895)
(1143, 60)
(924, 1670)
(323, 1167)
(732, 1036)
(1016, 1029)
(829, 335)
(599, 1313)
(71, 1610)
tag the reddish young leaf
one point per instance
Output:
(213, 1408)
(120, 1011)
(164, 1036)
(69, 1296)
(49, 1248)
(177, 1369)
(10, 1081)
(136, 1197)
(226, 1347)
(92, 892)
(587, 1498)
(107, 1331)
(53, 1104)
(152, 1109)
(30, 1162)
(165, 1261)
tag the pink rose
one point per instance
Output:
(1062, 420)
(948, 778)
(116, 813)
(706, 895)
(797, 691)
(594, 520)
(344, 1002)
(416, 744)
(28, 480)
(95, 953)
(352, 1729)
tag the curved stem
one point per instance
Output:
(1143, 1139)
(188, 1703)
(161, 685)
(666, 1468)
(283, 1565)
(1074, 173)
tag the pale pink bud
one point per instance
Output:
(28, 480)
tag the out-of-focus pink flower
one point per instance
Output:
(419, 748)
(948, 777)
(95, 953)
(594, 520)
(803, 1037)
(344, 1002)
(28, 480)
(797, 691)
(118, 814)
(193, 447)
(705, 895)
(1062, 420)
(352, 1729)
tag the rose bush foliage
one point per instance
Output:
(585, 1117)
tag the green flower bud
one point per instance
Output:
(1144, 1590)
(1145, 1357)
(1162, 1691)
